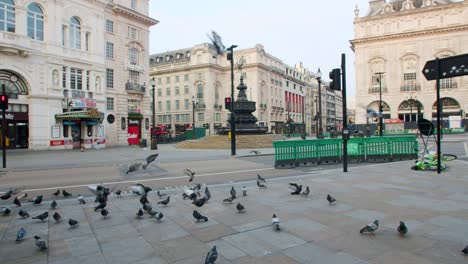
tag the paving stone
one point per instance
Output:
(280, 240)
(113, 233)
(227, 250)
(80, 259)
(167, 230)
(277, 259)
(310, 253)
(181, 248)
(426, 203)
(151, 260)
(400, 257)
(26, 249)
(314, 231)
(127, 250)
(250, 244)
(212, 232)
(366, 215)
(251, 225)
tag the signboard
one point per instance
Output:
(83, 103)
(54, 143)
(449, 67)
(55, 131)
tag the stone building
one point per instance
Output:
(65, 66)
(392, 43)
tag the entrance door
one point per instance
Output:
(76, 136)
(22, 135)
(133, 135)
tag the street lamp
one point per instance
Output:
(380, 103)
(230, 56)
(303, 135)
(193, 117)
(318, 76)
(154, 140)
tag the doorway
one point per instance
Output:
(76, 135)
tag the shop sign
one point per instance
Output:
(133, 122)
(83, 103)
(15, 116)
(54, 143)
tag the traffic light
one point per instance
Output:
(227, 103)
(4, 102)
(335, 76)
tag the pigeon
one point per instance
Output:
(465, 250)
(42, 216)
(160, 195)
(21, 234)
(260, 178)
(150, 159)
(196, 187)
(40, 243)
(133, 167)
(370, 228)
(211, 256)
(140, 213)
(228, 200)
(189, 173)
(81, 199)
(100, 198)
(118, 193)
(7, 195)
(306, 192)
(240, 207)
(22, 196)
(147, 207)
(402, 229)
(56, 193)
(17, 202)
(233, 192)
(199, 202)
(65, 193)
(255, 152)
(261, 185)
(159, 216)
(73, 223)
(5, 210)
(23, 214)
(104, 213)
(140, 189)
(57, 217)
(100, 207)
(244, 191)
(37, 199)
(199, 216)
(207, 193)
(53, 205)
(331, 199)
(275, 222)
(296, 189)
(144, 199)
(165, 201)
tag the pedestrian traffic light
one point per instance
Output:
(227, 103)
(4, 102)
(335, 76)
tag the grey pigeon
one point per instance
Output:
(144, 199)
(160, 195)
(53, 205)
(37, 200)
(199, 216)
(104, 213)
(260, 178)
(261, 185)
(21, 234)
(73, 223)
(296, 189)
(81, 199)
(56, 193)
(370, 228)
(40, 243)
(189, 173)
(275, 222)
(402, 228)
(42, 216)
(23, 214)
(465, 250)
(240, 207)
(244, 191)
(5, 210)
(331, 199)
(199, 202)
(22, 196)
(233, 192)
(165, 202)
(147, 207)
(159, 216)
(17, 202)
(255, 152)
(65, 193)
(7, 195)
(207, 193)
(140, 213)
(211, 256)
(57, 217)
(150, 159)
(140, 189)
(306, 192)
(118, 193)
(228, 200)
(133, 167)
(100, 207)
(196, 187)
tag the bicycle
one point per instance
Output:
(429, 161)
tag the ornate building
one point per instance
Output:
(74, 71)
(393, 42)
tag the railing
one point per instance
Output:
(201, 106)
(263, 106)
(410, 88)
(218, 107)
(76, 94)
(135, 87)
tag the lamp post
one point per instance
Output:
(380, 103)
(318, 76)
(230, 57)
(193, 117)
(303, 135)
(154, 140)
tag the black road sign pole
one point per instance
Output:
(345, 116)
(3, 132)
(438, 112)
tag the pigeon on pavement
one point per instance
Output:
(261, 185)
(73, 223)
(40, 243)
(65, 193)
(196, 187)
(144, 199)
(160, 195)
(22, 196)
(275, 222)
(56, 193)
(53, 205)
(5, 210)
(244, 191)
(42, 216)
(21, 234)
(159, 216)
(140, 213)
(465, 250)
(402, 228)
(140, 189)
(370, 228)
(240, 207)
(306, 192)
(189, 173)
(118, 193)
(23, 214)
(104, 213)
(199, 202)
(260, 178)
(147, 207)
(7, 195)
(233, 192)
(228, 200)
(211, 256)
(165, 201)
(81, 199)
(207, 193)
(255, 152)
(296, 189)
(199, 216)
(17, 202)
(37, 200)
(133, 167)
(100, 207)
(57, 217)
(150, 159)
(331, 200)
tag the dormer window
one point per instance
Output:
(179, 56)
(168, 57)
(187, 54)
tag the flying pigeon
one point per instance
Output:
(228, 200)
(118, 193)
(199, 202)
(261, 185)
(5, 210)
(165, 201)
(370, 228)
(57, 217)
(306, 192)
(17, 202)
(189, 173)
(255, 152)
(65, 193)
(402, 229)
(218, 44)
(147, 207)
(140, 213)
(21, 234)
(244, 191)
(260, 178)
(104, 213)
(275, 222)
(40, 243)
(296, 189)
(56, 193)
(331, 199)
(73, 223)
(81, 199)
(160, 195)
(53, 205)
(7, 195)
(240, 207)
(37, 199)
(233, 192)
(42, 216)
(199, 216)
(465, 250)
(150, 159)
(211, 256)
(133, 167)
(100, 207)
(23, 214)
(207, 193)
(140, 189)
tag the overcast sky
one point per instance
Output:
(309, 31)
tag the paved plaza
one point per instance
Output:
(434, 207)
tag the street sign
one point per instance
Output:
(449, 67)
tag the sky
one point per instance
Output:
(313, 32)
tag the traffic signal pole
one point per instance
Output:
(3, 131)
(345, 114)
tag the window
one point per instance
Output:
(168, 91)
(88, 73)
(217, 117)
(168, 79)
(64, 77)
(177, 78)
(87, 39)
(89, 130)
(378, 76)
(447, 83)
(159, 81)
(64, 30)
(110, 103)
(409, 75)
(160, 106)
(177, 90)
(133, 77)
(110, 26)
(76, 79)
(186, 77)
(186, 89)
(201, 116)
(200, 94)
(109, 50)
(109, 78)
(132, 33)
(7, 15)
(186, 104)
(159, 92)
(35, 22)
(133, 56)
(134, 106)
(168, 105)
(133, 4)
(177, 105)
(75, 33)
(65, 131)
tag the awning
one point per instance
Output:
(91, 114)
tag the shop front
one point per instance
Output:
(134, 131)
(17, 132)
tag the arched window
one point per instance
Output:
(409, 74)
(133, 56)
(75, 33)
(200, 94)
(35, 22)
(7, 15)
(378, 76)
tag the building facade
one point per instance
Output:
(196, 79)
(392, 44)
(55, 58)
